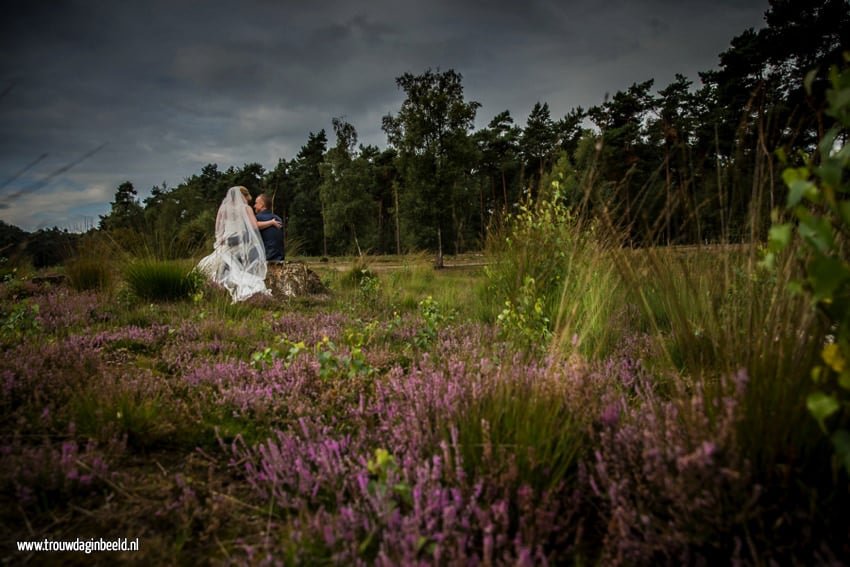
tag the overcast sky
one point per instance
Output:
(162, 87)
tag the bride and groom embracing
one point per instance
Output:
(245, 240)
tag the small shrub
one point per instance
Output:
(85, 274)
(524, 322)
(554, 273)
(162, 280)
(433, 318)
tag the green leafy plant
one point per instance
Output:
(553, 271)
(21, 321)
(433, 318)
(333, 363)
(818, 202)
(523, 321)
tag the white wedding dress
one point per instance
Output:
(238, 261)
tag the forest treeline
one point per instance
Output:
(680, 163)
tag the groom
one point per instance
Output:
(273, 235)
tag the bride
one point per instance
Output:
(238, 261)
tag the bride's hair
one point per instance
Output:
(245, 192)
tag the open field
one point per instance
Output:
(413, 418)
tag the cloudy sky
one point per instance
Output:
(93, 93)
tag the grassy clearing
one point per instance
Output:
(217, 431)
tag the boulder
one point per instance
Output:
(293, 279)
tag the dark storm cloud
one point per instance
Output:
(170, 86)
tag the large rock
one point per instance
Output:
(293, 279)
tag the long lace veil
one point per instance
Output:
(238, 261)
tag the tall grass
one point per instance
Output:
(714, 312)
(525, 427)
(161, 280)
(88, 273)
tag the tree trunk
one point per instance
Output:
(324, 235)
(504, 189)
(481, 209)
(724, 233)
(438, 261)
(668, 183)
(455, 227)
(397, 230)
(356, 242)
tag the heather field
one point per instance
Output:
(464, 416)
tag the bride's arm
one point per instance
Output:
(266, 223)
(260, 225)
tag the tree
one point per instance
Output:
(11, 239)
(672, 131)
(279, 186)
(538, 143)
(498, 145)
(126, 211)
(347, 179)
(430, 133)
(626, 161)
(306, 224)
(569, 131)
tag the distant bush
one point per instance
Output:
(194, 236)
(161, 280)
(88, 273)
(358, 275)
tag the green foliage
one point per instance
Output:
(369, 288)
(434, 318)
(714, 313)
(333, 362)
(430, 133)
(162, 280)
(195, 235)
(817, 199)
(126, 210)
(305, 210)
(524, 323)
(348, 179)
(21, 321)
(554, 274)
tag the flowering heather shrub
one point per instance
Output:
(357, 507)
(269, 395)
(133, 338)
(299, 470)
(37, 376)
(61, 309)
(672, 480)
(310, 329)
(340, 499)
(46, 474)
